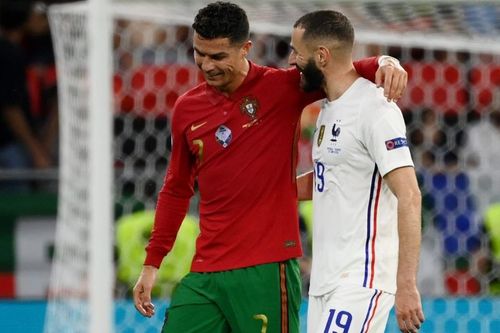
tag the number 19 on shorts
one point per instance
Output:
(338, 320)
(319, 177)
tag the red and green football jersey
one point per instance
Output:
(241, 149)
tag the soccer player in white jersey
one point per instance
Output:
(366, 231)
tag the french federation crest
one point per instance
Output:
(223, 136)
(249, 106)
(335, 133)
(321, 134)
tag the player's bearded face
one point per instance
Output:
(312, 77)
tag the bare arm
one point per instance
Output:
(16, 121)
(304, 186)
(403, 184)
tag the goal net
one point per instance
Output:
(451, 50)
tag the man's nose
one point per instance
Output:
(207, 64)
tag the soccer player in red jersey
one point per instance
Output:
(235, 134)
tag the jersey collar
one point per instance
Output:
(215, 97)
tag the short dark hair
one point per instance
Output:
(324, 24)
(222, 20)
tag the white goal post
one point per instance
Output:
(84, 301)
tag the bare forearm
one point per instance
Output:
(304, 186)
(16, 121)
(409, 230)
(18, 125)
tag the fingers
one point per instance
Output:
(398, 84)
(137, 293)
(142, 301)
(394, 80)
(379, 77)
(394, 93)
(401, 324)
(388, 78)
(420, 315)
(410, 322)
(150, 308)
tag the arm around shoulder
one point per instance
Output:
(304, 186)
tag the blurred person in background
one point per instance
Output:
(42, 83)
(482, 160)
(20, 144)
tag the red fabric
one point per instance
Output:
(38, 79)
(7, 285)
(367, 67)
(248, 203)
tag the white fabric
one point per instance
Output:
(355, 238)
(349, 309)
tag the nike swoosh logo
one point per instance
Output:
(195, 127)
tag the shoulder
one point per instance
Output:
(374, 105)
(188, 102)
(191, 99)
(285, 76)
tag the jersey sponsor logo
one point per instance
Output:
(223, 135)
(321, 134)
(195, 127)
(249, 106)
(396, 143)
(335, 133)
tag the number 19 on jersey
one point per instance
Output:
(319, 176)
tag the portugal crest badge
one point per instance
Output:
(249, 106)
(223, 136)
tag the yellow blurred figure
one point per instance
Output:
(132, 234)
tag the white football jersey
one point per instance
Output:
(359, 138)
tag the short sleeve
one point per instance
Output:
(384, 135)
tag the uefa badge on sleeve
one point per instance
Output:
(223, 136)
(396, 143)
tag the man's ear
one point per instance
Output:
(322, 56)
(246, 47)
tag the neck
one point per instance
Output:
(338, 79)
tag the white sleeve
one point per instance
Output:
(384, 135)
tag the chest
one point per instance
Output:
(236, 127)
(336, 137)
